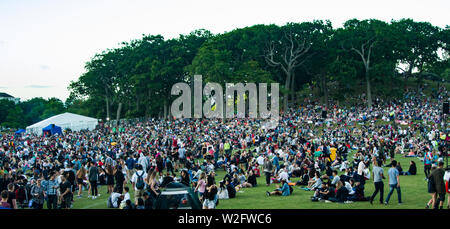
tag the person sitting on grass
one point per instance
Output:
(349, 185)
(283, 191)
(283, 175)
(341, 193)
(359, 193)
(323, 193)
(230, 188)
(251, 179)
(235, 182)
(296, 171)
(223, 191)
(304, 178)
(315, 183)
(115, 199)
(249, 182)
(334, 178)
(210, 195)
(349, 173)
(125, 196)
(411, 171)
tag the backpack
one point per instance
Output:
(140, 181)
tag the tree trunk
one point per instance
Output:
(287, 87)
(292, 90)
(119, 110)
(325, 90)
(169, 113)
(107, 108)
(369, 93)
(165, 109)
(137, 105)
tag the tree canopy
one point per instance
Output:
(369, 56)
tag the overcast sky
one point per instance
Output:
(44, 44)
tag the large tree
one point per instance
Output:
(367, 40)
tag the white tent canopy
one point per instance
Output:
(66, 120)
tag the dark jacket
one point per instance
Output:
(438, 176)
(231, 191)
(412, 169)
(252, 180)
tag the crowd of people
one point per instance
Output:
(53, 170)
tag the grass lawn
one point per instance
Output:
(413, 188)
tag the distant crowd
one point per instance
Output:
(332, 156)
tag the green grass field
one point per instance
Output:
(414, 195)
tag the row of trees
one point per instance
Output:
(135, 79)
(31, 111)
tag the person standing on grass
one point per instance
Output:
(93, 179)
(51, 192)
(130, 162)
(268, 169)
(120, 178)
(12, 196)
(109, 170)
(447, 185)
(138, 181)
(378, 177)
(201, 185)
(276, 162)
(431, 190)
(394, 183)
(438, 177)
(81, 175)
(37, 192)
(428, 160)
(66, 193)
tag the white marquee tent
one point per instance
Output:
(66, 120)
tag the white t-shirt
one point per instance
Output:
(126, 196)
(114, 198)
(361, 167)
(284, 176)
(135, 177)
(447, 176)
(260, 160)
(223, 194)
(349, 188)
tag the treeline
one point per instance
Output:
(29, 112)
(369, 56)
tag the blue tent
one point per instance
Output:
(20, 131)
(52, 129)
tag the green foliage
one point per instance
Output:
(137, 76)
(26, 113)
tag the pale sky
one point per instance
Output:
(44, 44)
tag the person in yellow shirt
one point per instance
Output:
(333, 153)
